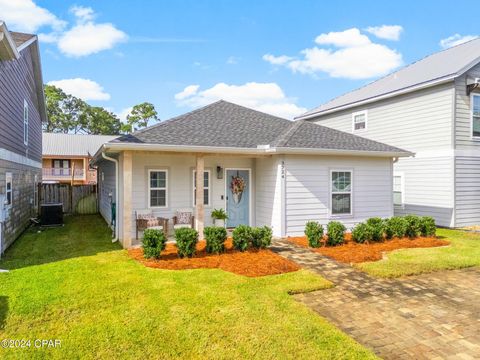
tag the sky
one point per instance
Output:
(278, 56)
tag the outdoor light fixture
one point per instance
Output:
(219, 172)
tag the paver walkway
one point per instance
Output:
(431, 316)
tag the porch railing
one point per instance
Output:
(62, 173)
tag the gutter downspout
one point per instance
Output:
(115, 161)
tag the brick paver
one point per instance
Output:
(431, 316)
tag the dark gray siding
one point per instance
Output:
(16, 84)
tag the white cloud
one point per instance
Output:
(87, 37)
(266, 97)
(456, 39)
(85, 89)
(122, 115)
(388, 32)
(25, 15)
(352, 55)
(232, 60)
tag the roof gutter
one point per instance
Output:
(406, 90)
(115, 162)
(337, 152)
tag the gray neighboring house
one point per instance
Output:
(432, 108)
(22, 111)
(262, 169)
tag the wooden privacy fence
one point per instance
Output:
(76, 199)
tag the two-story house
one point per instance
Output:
(66, 157)
(22, 110)
(431, 108)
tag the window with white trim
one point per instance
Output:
(359, 121)
(476, 115)
(25, 122)
(206, 187)
(8, 189)
(341, 192)
(398, 190)
(157, 188)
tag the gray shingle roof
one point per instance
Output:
(440, 65)
(72, 145)
(223, 124)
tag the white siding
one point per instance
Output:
(106, 187)
(418, 121)
(463, 125)
(269, 193)
(428, 187)
(467, 191)
(308, 189)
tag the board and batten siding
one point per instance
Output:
(269, 193)
(308, 190)
(467, 191)
(106, 189)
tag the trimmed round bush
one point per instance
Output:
(336, 232)
(153, 243)
(375, 225)
(361, 233)
(186, 239)
(261, 237)
(395, 227)
(215, 237)
(242, 236)
(427, 226)
(413, 226)
(314, 232)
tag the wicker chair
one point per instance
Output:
(145, 219)
(184, 218)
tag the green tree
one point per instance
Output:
(99, 121)
(139, 117)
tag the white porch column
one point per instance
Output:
(127, 199)
(199, 208)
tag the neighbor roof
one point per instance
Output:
(226, 125)
(444, 65)
(55, 144)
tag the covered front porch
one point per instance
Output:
(168, 182)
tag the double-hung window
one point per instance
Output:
(8, 189)
(206, 188)
(359, 121)
(476, 115)
(25, 122)
(398, 190)
(341, 192)
(157, 188)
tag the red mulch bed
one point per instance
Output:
(250, 263)
(351, 252)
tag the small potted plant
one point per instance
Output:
(219, 216)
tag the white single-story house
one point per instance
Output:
(262, 169)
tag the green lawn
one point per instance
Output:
(464, 251)
(73, 284)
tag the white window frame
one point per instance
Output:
(159, 188)
(363, 112)
(25, 122)
(402, 179)
(472, 96)
(209, 187)
(8, 179)
(338, 216)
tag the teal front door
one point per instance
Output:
(238, 197)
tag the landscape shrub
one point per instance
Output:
(242, 237)
(261, 237)
(395, 227)
(215, 237)
(413, 226)
(336, 232)
(186, 239)
(427, 226)
(361, 233)
(375, 225)
(153, 243)
(314, 232)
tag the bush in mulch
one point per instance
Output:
(186, 239)
(427, 226)
(215, 237)
(242, 237)
(395, 227)
(261, 237)
(336, 233)
(361, 233)
(153, 243)
(314, 232)
(375, 226)
(413, 226)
